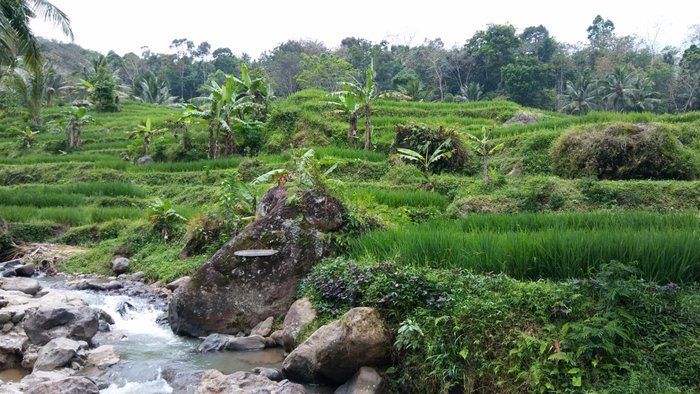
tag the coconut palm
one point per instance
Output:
(16, 37)
(580, 96)
(470, 92)
(617, 88)
(155, 90)
(347, 105)
(30, 85)
(643, 97)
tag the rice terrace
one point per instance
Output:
(512, 214)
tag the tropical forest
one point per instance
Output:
(513, 214)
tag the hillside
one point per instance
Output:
(552, 217)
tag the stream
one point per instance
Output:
(146, 347)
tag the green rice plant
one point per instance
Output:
(665, 250)
(400, 197)
(347, 153)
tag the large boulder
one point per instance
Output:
(75, 322)
(120, 265)
(59, 352)
(25, 285)
(237, 288)
(213, 381)
(337, 350)
(71, 385)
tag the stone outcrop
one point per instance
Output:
(263, 328)
(120, 265)
(231, 292)
(213, 381)
(336, 351)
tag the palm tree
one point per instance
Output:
(470, 92)
(364, 94)
(644, 98)
(16, 37)
(257, 89)
(347, 105)
(147, 132)
(580, 95)
(155, 90)
(617, 88)
(30, 84)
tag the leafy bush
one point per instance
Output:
(413, 136)
(462, 333)
(624, 151)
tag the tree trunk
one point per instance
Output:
(210, 152)
(69, 135)
(368, 127)
(216, 141)
(352, 131)
(485, 160)
(229, 143)
(146, 142)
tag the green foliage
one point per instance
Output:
(163, 216)
(412, 135)
(103, 91)
(624, 152)
(426, 158)
(459, 332)
(323, 71)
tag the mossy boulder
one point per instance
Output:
(231, 293)
(623, 151)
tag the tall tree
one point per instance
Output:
(601, 32)
(364, 94)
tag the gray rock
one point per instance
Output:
(25, 285)
(12, 344)
(365, 381)
(216, 342)
(263, 328)
(58, 353)
(232, 293)
(270, 373)
(299, 315)
(144, 160)
(172, 286)
(113, 285)
(102, 357)
(7, 327)
(5, 316)
(71, 385)
(75, 322)
(26, 270)
(213, 381)
(120, 265)
(337, 350)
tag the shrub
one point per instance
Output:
(624, 151)
(413, 136)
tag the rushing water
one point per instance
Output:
(146, 347)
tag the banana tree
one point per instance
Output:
(481, 147)
(28, 137)
(147, 132)
(163, 216)
(364, 94)
(256, 89)
(426, 158)
(347, 105)
(73, 120)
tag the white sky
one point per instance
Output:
(256, 26)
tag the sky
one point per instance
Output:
(254, 27)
